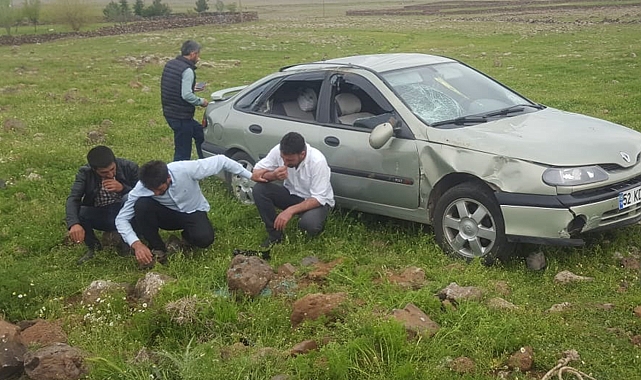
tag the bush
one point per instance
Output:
(139, 7)
(220, 6)
(117, 12)
(157, 8)
(201, 6)
(75, 13)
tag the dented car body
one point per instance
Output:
(429, 139)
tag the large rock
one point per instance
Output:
(454, 292)
(312, 306)
(416, 322)
(56, 362)
(11, 350)
(146, 288)
(100, 289)
(44, 333)
(248, 275)
(566, 276)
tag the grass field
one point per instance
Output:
(52, 95)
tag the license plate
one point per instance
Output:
(630, 197)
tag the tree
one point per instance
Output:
(201, 6)
(220, 6)
(8, 15)
(75, 13)
(125, 11)
(31, 11)
(157, 8)
(231, 7)
(139, 7)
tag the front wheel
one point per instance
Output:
(241, 188)
(468, 224)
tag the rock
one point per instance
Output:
(183, 310)
(106, 123)
(312, 306)
(502, 287)
(233, 351)
(146, 288)
(522, 359)
(454, 292)
(536, 261)
(637, 311)
(14, 125)
(55, 362)
(303, 347)
(309, 260)
(636, 340)
(462, 365)
(44, 333)
(95, 137)
(286, 270)
(11, 350)
(565, 277)
(100, 289)
(559, 307)
(410, 278)
(630, 263)
(416, 322)
(248, 275)
(322, 270)
(501, 304)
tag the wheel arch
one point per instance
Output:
(448, 182)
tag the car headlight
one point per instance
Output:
(574, 176)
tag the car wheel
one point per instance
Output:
(241, 188)
(468, 224)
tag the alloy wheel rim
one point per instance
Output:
(469, 228)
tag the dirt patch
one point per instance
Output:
(147, 25)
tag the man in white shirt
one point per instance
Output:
(168, 197)
(306, 188)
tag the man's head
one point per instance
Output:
(191, 50)
(293, 149)
(102, 160)
(154, 175)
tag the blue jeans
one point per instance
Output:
(184, 131)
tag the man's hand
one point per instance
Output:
(142, 252)
(77, 233)
(282, 219)
(257, 175)
(280, 173)
(112, 185)
(204, 103)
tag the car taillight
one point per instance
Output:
(204, 121)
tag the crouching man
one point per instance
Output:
(168, 197)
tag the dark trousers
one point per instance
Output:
(98, 218)
(150, 216)
(269, 196)
(184, 131)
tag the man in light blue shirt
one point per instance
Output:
(168, 197)
(177, 86)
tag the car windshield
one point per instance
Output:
(449, 93)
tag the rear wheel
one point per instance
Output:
(468, 224)
(241, 188)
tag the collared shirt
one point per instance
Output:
(187, 91)
(309, 180)
(183, 193)
(105, 197)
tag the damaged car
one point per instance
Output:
(432, 140)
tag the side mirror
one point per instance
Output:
(380, 135)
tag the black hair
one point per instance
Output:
(153, 174)
(100, 157)
(189, 47)
(292, 143)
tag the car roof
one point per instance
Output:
(375, 62)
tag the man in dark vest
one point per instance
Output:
(179, 102)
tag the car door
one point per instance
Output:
(363, 177)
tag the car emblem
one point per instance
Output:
(625, 156)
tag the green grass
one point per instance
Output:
(64, 89)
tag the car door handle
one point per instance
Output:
(332, 141)
(255, 128)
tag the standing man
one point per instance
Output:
(168, 197)
(179, 102)
(96, 197)
(306, 189)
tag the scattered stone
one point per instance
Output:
(38, 136)
(410, 278)
(322, 270)
(12, 350)
(559, 307)
(33, 177)
(536, 261)
(637, 311)
(14, 125)
(606, 306)
(146, 288)
(630, 262)
(183, 310)
(3, 184)
(233, 351)
(565, 277)
(286, 270)
(462, 365)
(454, 292)
(100, 288)
(55, 362)
(416, 322)
(248, 275)
(145, 89)
(106, 123)
(304, 347)
(313, 306)
(43, 333)
(309, 260)
(636, 340)
(95, 137)
(501, 304)
(503, 288)
(522, 359)
(130, 101)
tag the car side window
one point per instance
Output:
(252, 100)
(355, 98)
(293, 99)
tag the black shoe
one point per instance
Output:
(249, 252)
(269, 242)
(160, 256)
(86, 257)
(124, 249)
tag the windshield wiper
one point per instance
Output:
(461, 121)
(512, 109)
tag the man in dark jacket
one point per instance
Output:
(97, 195)
(177, 86)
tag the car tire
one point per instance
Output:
(239, 187)
(479, 232)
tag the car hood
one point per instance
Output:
(551, 137)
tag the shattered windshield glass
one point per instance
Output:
(447, 91)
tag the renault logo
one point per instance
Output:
(625, 156)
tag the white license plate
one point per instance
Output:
(630, 197)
